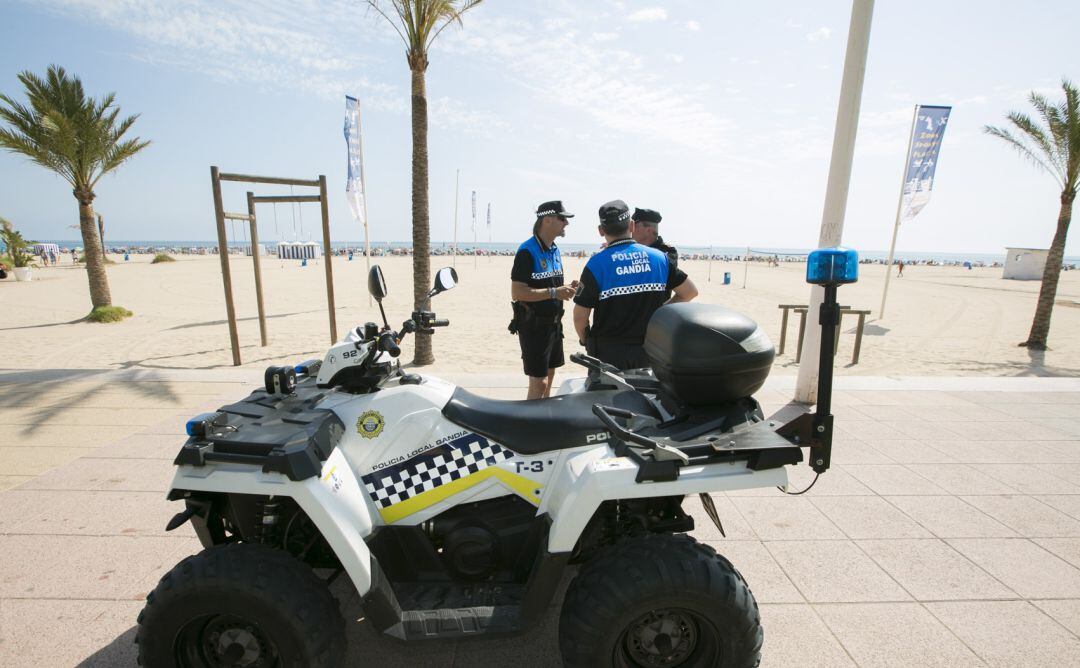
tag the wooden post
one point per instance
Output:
(327, 252)
(255, 260)
(226, 277)
(783, 328)
(101, 237)
(802, 333)
(858, 338)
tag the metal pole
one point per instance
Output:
(223, 253)
(832, 219)
(710, 264)
(325, 205)
(745, 266)
(899, 203)
(363, 188)
(256, 262)
(457, 182)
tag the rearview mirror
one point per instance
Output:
(376, 284)
(445, 279)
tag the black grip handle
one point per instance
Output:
(605, 414)
(440, 323)
(388, 345)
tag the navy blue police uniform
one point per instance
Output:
(539, 323)
(624, 284)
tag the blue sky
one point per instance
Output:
(718, 114)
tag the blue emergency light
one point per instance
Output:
(832, 266)
(202, 423)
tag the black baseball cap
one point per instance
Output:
(614, 212)
(647, 216)
(553, 208)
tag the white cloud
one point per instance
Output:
(648, 15)
(676, 58)
(693, 26)
(605, 36)
(792, 23)
(819, 35)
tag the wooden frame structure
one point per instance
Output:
(216, 177)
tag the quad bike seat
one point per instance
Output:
(542, 425)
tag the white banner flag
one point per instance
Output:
(474, 211)
(922, 159)
(354, 184)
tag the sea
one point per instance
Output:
(499, 248)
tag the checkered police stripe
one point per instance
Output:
(549, 212)
(632, 289)
(460, 457)
(547, 274)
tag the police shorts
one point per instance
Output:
(621, 355)
(541, 348)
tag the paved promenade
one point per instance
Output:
(947, 532)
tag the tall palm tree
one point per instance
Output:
(1055, 149)
(79, 138)
(418, 23)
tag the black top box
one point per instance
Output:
(705, 354)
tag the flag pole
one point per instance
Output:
(899, 204)
(363, 188)
(457, 183)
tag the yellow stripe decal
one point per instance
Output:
(523, 486)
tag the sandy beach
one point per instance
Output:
(945, 321)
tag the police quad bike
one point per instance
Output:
(455, 515)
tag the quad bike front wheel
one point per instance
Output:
(660, 601)
(241, 605)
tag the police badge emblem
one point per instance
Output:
(370, 424)
(543, 263)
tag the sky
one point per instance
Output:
(718, 114)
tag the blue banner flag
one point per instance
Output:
(922, 159)
(354, 184)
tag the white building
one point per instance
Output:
(1025, 264)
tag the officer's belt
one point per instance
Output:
(602, 340)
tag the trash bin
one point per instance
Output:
(303, 262)
(727, 278)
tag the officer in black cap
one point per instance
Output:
(621, 287)
(536, 286)
(647, 233)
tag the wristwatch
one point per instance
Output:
(551, 293)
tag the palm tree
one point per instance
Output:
(418, 23)
(79, 138)
(1055, 149)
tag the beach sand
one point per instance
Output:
(944, 321)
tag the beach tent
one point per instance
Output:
(295, 250)
(1025, 264)
(312, 250)
(263, 250)
(42, 249)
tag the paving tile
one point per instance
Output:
(1068, 471)
(796, 636)
(734, 525)
(961, 479)
(834, 571)
(65, 633)
(59, 436)
(1028, 479)
(918, 429)
(879, 412)
(1017, 430)
(1027, 516)
(892, 479)
(931, 570)
(909, 451)
(1068, 427)
(1066, 503)
(24, 462)
(951, 517)
(1066, 548)
(91, 513)
(1009, 633)
(1026, 568)
(864, 429)
(1037, 411)
(142, 446)
(958, 414)
(1066, 613)
(868, 631)
(1003, 452)
(868, 517)
(117, 415)
(761, 571)
(132, 475)
(82, 567)
(834, 482)
(858, 452)
(785, 518)
(10, 481)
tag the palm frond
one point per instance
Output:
(419, 22)
(62, 129)
(1022, 148)
(1052, 144)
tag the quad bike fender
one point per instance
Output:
(598, 475)
(332, 500)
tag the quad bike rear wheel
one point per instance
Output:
(241, 605)
(660, 600)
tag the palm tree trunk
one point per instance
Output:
(95, 266)
(420, 224)
(1040, 326)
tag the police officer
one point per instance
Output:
(621, 287)
(536, 286)
(647, 233)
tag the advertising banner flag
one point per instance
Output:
(354, 183)
(922, 159)
(489, 217)
(474, 211)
